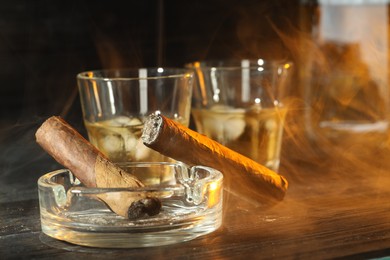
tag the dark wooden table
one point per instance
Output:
(337, 206)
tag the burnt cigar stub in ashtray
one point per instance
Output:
(245, 176)
(94, 169)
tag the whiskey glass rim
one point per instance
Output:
(129, 74)
(234, 64)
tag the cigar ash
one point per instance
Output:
(131, 206)
(152, 128)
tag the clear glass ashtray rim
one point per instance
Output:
(215, 175)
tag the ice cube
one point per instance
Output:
(130, 141)
(120, 121)
(125, 121)
(135, 121)
(111, 142)
(214, 128)
(234, 127)
(141, 151)
(228, 124)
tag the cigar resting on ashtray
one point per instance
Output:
(94, 169)
(242, 175)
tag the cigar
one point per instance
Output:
(94, 169)
(244, 176)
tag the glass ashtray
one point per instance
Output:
(191, 200)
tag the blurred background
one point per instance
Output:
(44, 44)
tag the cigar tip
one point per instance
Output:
(39, 134)
(152, 128)
(143, 207)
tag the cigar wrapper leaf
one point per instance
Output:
(94, 169)
(244, 176)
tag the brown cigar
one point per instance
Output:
(93, 169)
(242, 175)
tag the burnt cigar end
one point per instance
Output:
(142, 207)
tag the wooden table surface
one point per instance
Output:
(337, 206)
